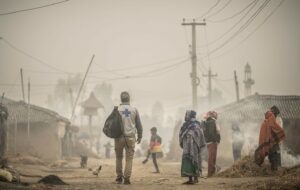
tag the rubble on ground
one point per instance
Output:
(286, 178)
(7, 172)
(52, 179)
(289, 179)
(246, 167)
(5, 176)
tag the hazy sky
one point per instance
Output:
(126, 33)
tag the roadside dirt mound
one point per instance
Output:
(247, 168)
(52, 179)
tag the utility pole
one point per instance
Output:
(71, 97)
(80, 89)
(28, 113)
(210, 76)
(22, 84)
(237, 91)
(194, 78)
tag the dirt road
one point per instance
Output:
(142, 178)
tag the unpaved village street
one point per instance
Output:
(143, 178)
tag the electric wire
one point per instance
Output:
(232, 16)
(253, 32)
(242, 28)
(31, 56)
(233, 26)
(34, 8)
(220, 10)
(143, 66)
(209, 10)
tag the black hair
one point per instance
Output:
(153, 129)
(125, 97)
(275, 110)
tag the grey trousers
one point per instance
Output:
(127, 143)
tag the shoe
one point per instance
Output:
(196, 180)
(188, 183)
(145, 161)
(127, 181)
(119, 179)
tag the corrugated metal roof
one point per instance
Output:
(254, 107)
(19, 110)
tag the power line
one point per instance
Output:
(243, 27)
(209, 10)
(107, 70)
(220, 10)
(142, 66)
(13, 86)
(251, 33)
(234, 15)
(152, 73)
(31, 56)
(48, 72)
(34, 8)
(231, 28)
(166, 67)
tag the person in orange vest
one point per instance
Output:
(154, 149)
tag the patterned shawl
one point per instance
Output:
(191, 139)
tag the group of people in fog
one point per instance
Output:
(198, 140)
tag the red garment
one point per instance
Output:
(270, 134)
(212, 157)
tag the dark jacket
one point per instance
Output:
(211, 133)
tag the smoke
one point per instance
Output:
(287, 159)
(250, 134)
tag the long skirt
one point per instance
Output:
(188, 168)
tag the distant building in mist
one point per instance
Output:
(50, 134)
(249, 113)
(248, 81)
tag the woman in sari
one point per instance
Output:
(191, 141)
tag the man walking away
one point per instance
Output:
(154, 149)
(191, 139)
(212, 137)
(132, 125)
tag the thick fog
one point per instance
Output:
(139, 46)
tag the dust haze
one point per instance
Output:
(141, 46)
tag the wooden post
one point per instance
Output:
(237, 91)
(15, 136)
(22, 84)
(28, 113)
(5, 127)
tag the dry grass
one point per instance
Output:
(247, 168)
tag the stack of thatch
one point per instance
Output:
(246, 167)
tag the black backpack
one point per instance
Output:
(113, 126)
